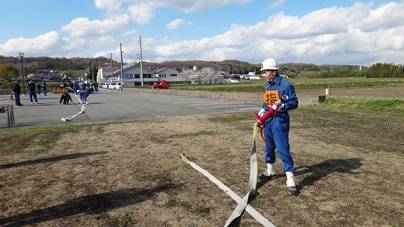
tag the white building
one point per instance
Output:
(132, 77)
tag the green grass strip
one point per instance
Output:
(34, 140)
(299, 84)
(389, 105)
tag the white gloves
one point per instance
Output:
(277, 107)
(261, 112)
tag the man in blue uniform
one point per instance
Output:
(44, 87)
(276, 128)
(17, 93)
(32, 92)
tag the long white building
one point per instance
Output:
(132, 77)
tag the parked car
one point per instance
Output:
(244, 77)
(254, 78)
(116, 85)
(160, 85)
(234, 79)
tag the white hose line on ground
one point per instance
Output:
(238, 211)
(82, 110)
(254, 213)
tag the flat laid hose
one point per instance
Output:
(242, 202)
(82, 110)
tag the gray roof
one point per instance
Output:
(146, 70)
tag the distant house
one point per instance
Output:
(206, 75)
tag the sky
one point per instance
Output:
(310, 31)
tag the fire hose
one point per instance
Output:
(242, 202)
(82, 110)
(243, 205)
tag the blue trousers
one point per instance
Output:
(17, 99)
(276, 133)
(84, 96)
(32, 94)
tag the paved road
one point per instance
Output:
(110, 106)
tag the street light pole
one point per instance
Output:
(120, 48)
(92, 72)
(110, 66)
(141, 62)
(21, 55)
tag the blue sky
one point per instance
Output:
(291, 30)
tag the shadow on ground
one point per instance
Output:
(320, 170)
(90, 204)
(50, 159)
(325, 168)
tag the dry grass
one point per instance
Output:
(131, 174)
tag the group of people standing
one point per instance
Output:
(32, 91)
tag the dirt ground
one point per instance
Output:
(131, 174)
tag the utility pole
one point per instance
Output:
(243, 69)
(110, 64)
(92, 72)
(21, 55)
(141, 61)
(98, 80)
(120, 47)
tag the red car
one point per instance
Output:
(161, 85)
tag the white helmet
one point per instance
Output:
(269, 64)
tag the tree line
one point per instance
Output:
(383, 70)
(34, 64)
(10, 67)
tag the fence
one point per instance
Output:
(9, 111)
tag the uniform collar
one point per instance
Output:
(276, 81)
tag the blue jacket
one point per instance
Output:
(285, 88)
(31, 86)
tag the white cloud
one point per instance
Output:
(277, 4)
(53, 44)
(387, 16)
(324, 21)
(177, 23)
(330, 35)
(142, 13)
(108, 5)
(48, 43)
(196, 5)
(361, 33)
(82, 26)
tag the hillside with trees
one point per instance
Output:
(76, 67)
(382, 70)
(34, 64)
(8, 72)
